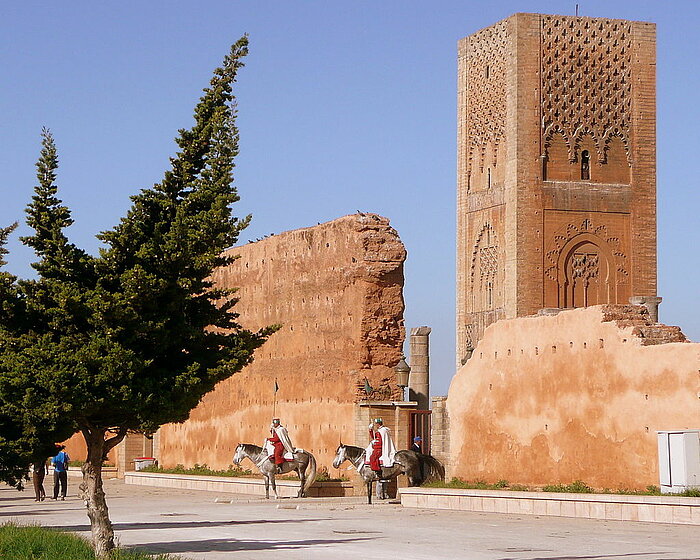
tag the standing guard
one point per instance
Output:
(380, 453)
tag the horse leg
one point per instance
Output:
(302, 476)
(369, 491)
(267, 486)
(274, 486)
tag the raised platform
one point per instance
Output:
(253, 486)
(619, 507)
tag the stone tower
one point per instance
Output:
(556, 173)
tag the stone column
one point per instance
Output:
(651, 303)
(440, 432)
(419, 380)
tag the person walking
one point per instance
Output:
(60, 473)
(39, 471)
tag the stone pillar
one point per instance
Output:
(440, 432)
(651, 303)
(419, 380)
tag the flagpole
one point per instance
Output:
(368, 391)
(274, 399)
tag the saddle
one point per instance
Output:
(270, 450)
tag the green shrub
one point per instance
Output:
(325, 477)
(576, 487)
(37, 543)
(477, 485)
(200, 470)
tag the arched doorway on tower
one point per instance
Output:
(587, 273)
(587, 276)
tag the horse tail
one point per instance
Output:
(433, 469)
(310, 473)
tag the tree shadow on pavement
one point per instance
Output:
(235, 545)
(184, 524)
(649, 555)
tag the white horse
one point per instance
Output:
(304, 464)
(416, 466)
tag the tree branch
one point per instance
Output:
(116, 440)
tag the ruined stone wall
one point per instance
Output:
(579, 395)
(337, 291)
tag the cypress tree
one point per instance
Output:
(133, 338)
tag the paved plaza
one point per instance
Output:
(205, 525)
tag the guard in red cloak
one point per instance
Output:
(376, 442)
(281, 442)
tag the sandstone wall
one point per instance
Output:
(337, 291)
(579, 395)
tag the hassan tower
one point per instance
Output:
(556, 174)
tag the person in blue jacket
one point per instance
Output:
(60, 473)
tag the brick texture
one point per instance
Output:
(556, 170)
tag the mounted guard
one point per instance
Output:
(380, 453)
(279, 445)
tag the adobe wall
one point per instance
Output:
(337, 291)
(579, 395)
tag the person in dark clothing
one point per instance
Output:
(416, 444)
(38, 473)
(60, 473)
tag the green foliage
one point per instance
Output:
(133, 338)
(323, 476)
(204, 470)
(201, 470)
(36, 543)
(576, 487)
(477, 485)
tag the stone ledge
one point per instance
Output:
(76, 472)
(652, 509)
(253, 486)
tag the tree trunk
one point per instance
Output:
(93, 494)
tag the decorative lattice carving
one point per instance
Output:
(487, 53)
(586, 82)
(584, 266)
(570, 231)
(485, 255)
(488, 262)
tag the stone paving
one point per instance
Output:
(204, 525)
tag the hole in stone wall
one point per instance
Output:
(585, 165)
(537, 351)
(601, 342)
(554, 349)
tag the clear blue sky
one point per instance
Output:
(343, 106)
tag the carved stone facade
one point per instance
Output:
(556, 186)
